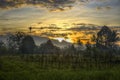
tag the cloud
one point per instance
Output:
(51, 4)
(84, 24)
(103, 8)
(49, 34)
(83, 27)
(39, 25)
(4, 30)
(56, 5)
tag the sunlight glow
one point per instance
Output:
(63, 39)
(59, 39)
(69, 40)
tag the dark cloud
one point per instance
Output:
(57, 5)
(83, 24)
(51, 4)
(50, 34)
(83, 28)
(50, 27)
(103, 8)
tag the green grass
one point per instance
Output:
(15, 68)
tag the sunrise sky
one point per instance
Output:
(59, 19)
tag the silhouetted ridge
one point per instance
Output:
(48, 47)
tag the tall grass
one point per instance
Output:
(57, 67)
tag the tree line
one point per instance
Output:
(105, 42)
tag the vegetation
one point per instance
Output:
(48, 48)
(49, 67)
(106, 38)
(27, 45)
(23, 60)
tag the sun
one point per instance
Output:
(59, 39)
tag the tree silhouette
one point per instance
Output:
(48, 47)
(88, 46)
(2, 48)
(79, 42)
(1, 44)
(14, 41)
(27, 45)
(105, 38)
(70, 49)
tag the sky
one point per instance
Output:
(59, 19)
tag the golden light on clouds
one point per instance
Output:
(58, 19)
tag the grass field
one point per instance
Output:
(17, 68)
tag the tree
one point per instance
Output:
(70, 49)
(1, 44)
(79, 42)
(48, 47)
(27, 45)
(3, 48)
(105, 38)
(14, 41)
(88, 46)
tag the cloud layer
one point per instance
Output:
(74, 23)
(51, 4)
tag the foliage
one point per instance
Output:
(27, 45)
(54, 67)
(48, 48)
(105, 38)
(3, 48)
(14, 41)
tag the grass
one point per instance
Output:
(15, 68)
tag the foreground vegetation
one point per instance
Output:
(37, 67)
